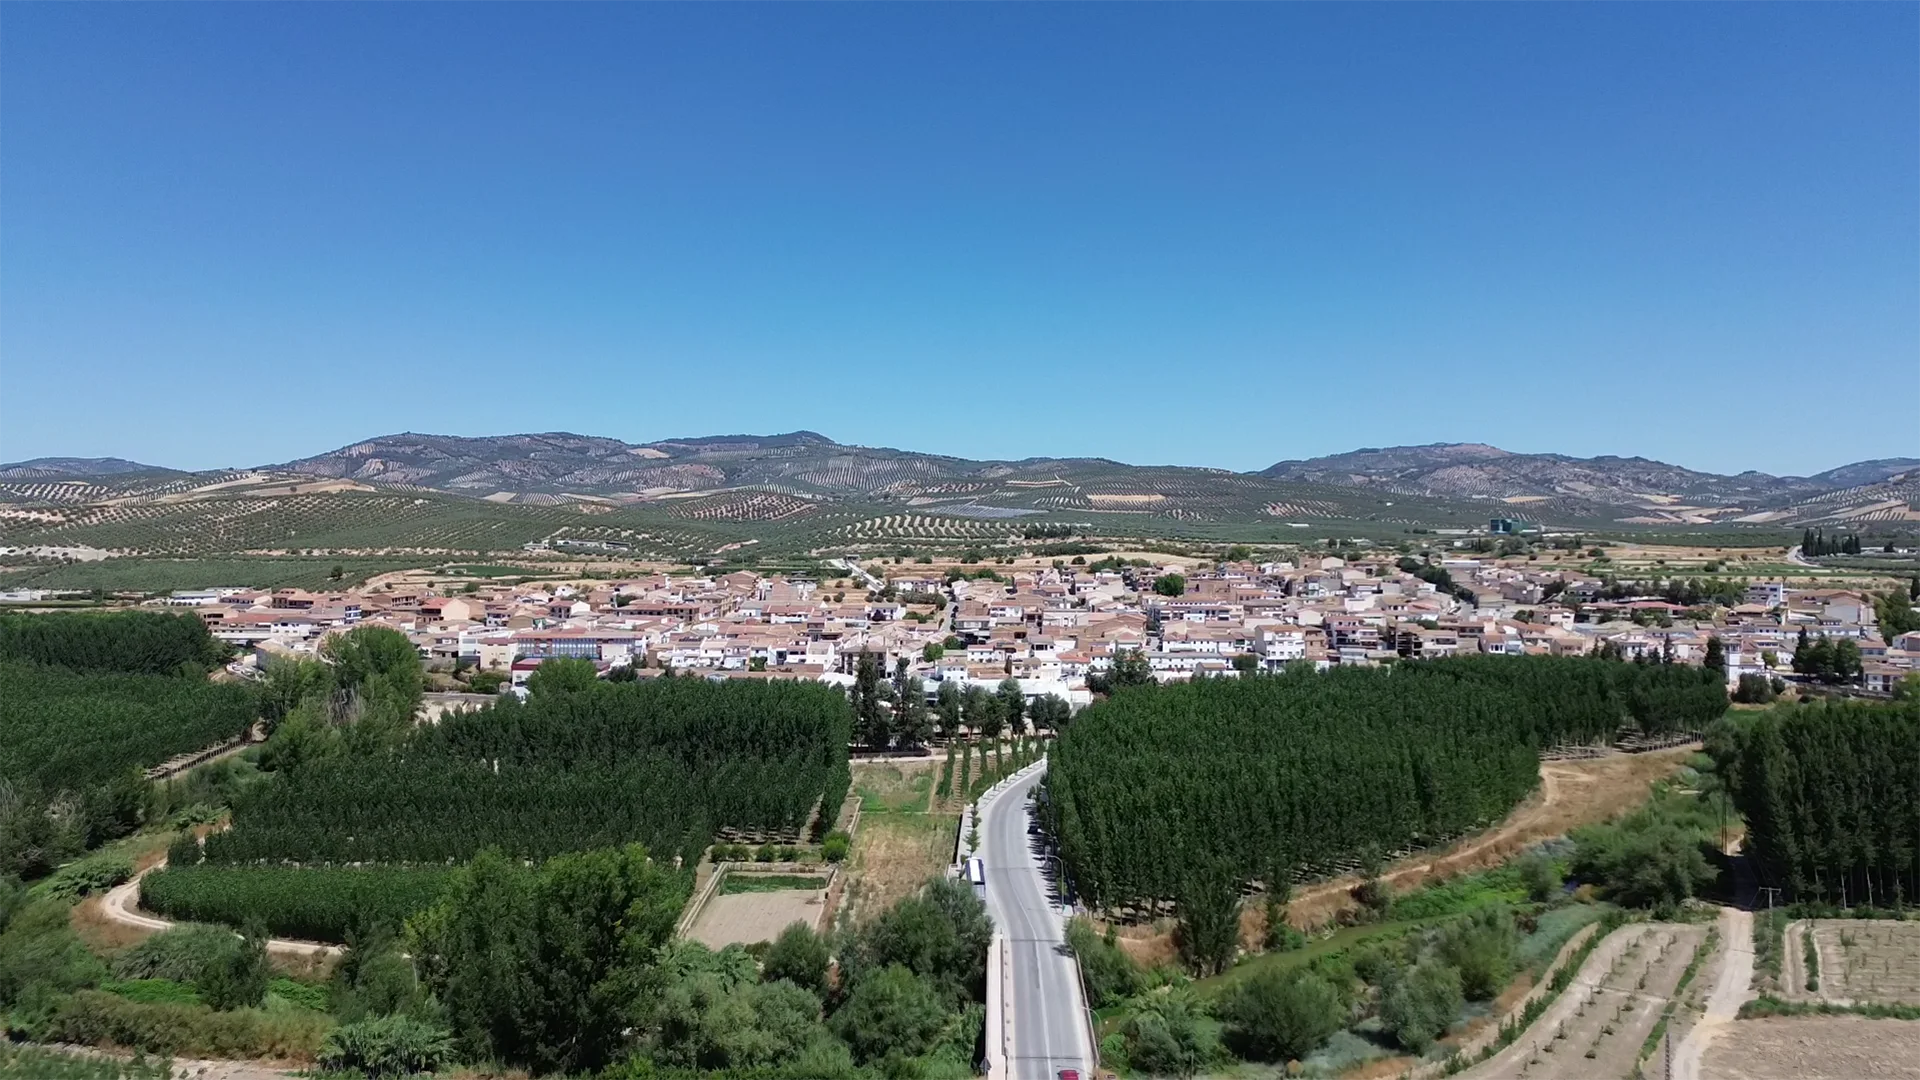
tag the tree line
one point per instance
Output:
(665, 762)
(1186, 793)
(125, 642)
(1831, 794)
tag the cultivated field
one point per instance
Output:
(747, 917)
(1815, 1048)
(1597, 1025)
(1859, 960)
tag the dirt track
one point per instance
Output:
(121, 906)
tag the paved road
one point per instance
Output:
(1046, 1019)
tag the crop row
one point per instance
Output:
(309, 903)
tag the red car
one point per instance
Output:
(1069, 1074)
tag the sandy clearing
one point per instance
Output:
(745, 918)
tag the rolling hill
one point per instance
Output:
(410, 495)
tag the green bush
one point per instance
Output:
(1481, 948)
(95, 873)
(1165, 1036)
(179, 954)
(40, 954)
(154, 991)
(1282, 1015)
(392, 1046)
(1111, 974)
(1420, 1006)
(96, 1018)
(798, 956)
(238, 979)
(304, 995)
(38, 1063)
(834, 848)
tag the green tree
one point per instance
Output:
(1165, 1037)
(932, 651)
(561, 675)
(912, 720)
(1541, 878)
(947, 706)
(871, 716)
(1013, 705)
(891, 1011)
(237, 978)
(1480, 946)
(1421, 1005)
(537, 967)
(1050, 712)
(1208, 932)
(1716, 658)
(1282, 1015)
(1170, 585)
(1130, 668)
(983, 712)
(798, 956)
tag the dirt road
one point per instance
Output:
(1736, 943)
(122, 906)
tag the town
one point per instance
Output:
(1058, 628)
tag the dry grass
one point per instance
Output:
(893, 855)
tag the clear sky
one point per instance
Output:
(1198, 234)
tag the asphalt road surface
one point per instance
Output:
(1046, 1019)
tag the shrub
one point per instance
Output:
(834, 849)
(1111, 974)
(392, 1046)
(1283, 1015)
(1164, 1037)
(1541, 877)
(1420, 1006)
(238, 979)
(95, 1018)
(798, 956)
(179, 954)
(95, 873)
(1481, 947)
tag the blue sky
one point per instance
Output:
(1214, 235)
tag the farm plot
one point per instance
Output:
(1858, 961)
(1814, 1048)
(1597, 1025)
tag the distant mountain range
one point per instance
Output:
(1441, 482)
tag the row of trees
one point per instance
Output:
(74, 747)
(580, 764)
(309, 903)
(1186, 793)
(1830, 660)
(895, 712)
(1831, 794)
(1816, 542)
(568, 967)
(128, 642)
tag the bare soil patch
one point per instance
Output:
(1815, 1048)
(745, 918)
